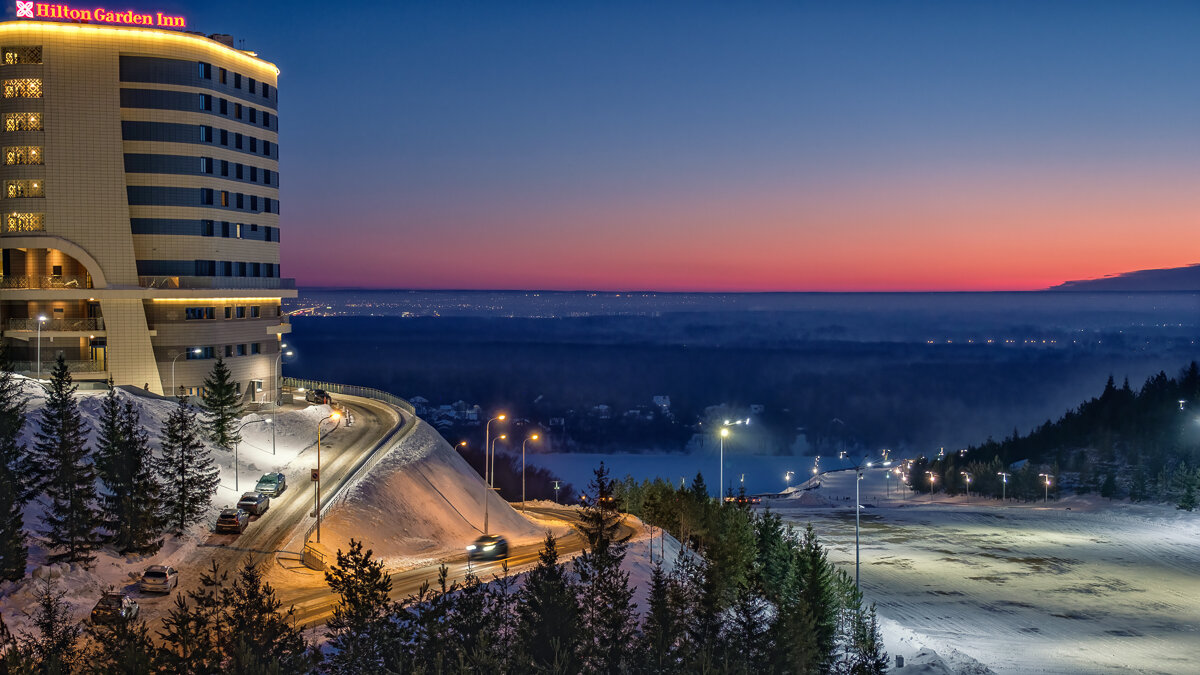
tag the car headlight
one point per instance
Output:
(489, 547)
(471, 547)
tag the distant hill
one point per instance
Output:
(1173, 279)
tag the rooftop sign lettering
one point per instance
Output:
(46, 11)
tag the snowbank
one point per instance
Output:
(421, 502)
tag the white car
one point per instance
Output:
(159, 579)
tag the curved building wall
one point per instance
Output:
(156, 153)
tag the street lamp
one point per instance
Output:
(174, 391)
(235, 450)
(487, 430)
(721, 485)
(335, 416)
(967, 475)
(1181, 402)
(277, 393)
(930, 474)
(787, 478)
(41, 320)
(1047, 477)
(1003, 485)
(492, 481)
(858, 476)
(531, 438)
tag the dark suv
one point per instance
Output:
(488, 547)
(232, 520)
(254, 503)
(317, 396)
(115, 606)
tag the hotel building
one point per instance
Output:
(139, 205)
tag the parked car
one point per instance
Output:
(254, 503)
(115, 606)
(317, 396)
(159, 579)
(271, 484)
(232, 520)
(488, 547)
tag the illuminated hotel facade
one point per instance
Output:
(139, 204)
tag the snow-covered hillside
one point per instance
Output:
(421, 502)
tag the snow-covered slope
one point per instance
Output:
(421, 502)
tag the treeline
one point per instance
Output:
(539, 481)
(1142, 444)
(116, 492)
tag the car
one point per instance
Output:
(159, 579)
(254, 503)
(115, 606)
(232, 520)
(271, 484)
(317, 396)
(488, 547)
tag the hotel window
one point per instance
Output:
(267, 148)
(224, 107)
(23, 154)
(25, 87)
(241, 350)
(237, 141)
(26, 121)
(267, 119)
(237, 81)
(256, 348)
(237, 110)
(255, 312)
(195, 313)
(237, 231)
(241, 312)
(226, 268)
(206, 165)
(266, 176)
(228, 312)
(224, 198)
(24, 222)
(224, 168)
(266, 90)
(206, 135)
(241, 269)
(18, 55)
(256, 269)
(224, 137)
(14, 189)
(253, 116)
(240, 202)
(254, 174)
(251, 85)
(225, 231)
(205, 71)
(205, 101)
(228, 350)
(253, 144)
(205, 353)
(207, 228)
(238, 172)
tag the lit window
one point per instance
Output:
(26, 121)
(24, 188)
(205, 71)
(23, 154)
(24, 222)
(17, 55)
(26, 87)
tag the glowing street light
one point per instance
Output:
(1047, 477)
(487, 430)
(275, 387)
(335, 416)
(721, 483)
(1003, 485)
(195, 350)
(534, 437)
(931, 478)
(967, 475)
(235, 450)
(787, 478)
(41, 320)
(501, 437)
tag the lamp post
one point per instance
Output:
(275, 387)
(1003, 485)
(930, 474)
(41, 320)
(235, 450)
(967, 475)
(1047, 477)
(721, 484)
(487, 430)
(317, 495)
(195, 350)
(858, 476)
(492, 480)
(531, 438)
(787, 478)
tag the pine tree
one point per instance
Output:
(1108, 489)
(605, 599)
(1188, 501)
(194, 632)
(16, 475)
(70, 479)
(121, 648)
(55, 646)
(746, 633)
(222, 409)
(261, 638)
(130, 505)
(661, 628)
(359, 631)
(547, 614)
(189, 475)
(864, 653)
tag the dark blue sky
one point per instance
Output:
(762, 145)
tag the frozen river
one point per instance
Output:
(1077, 586)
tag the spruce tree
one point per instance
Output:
(661, 628)
(70, 478)
(547, 614)
(1108, 489)
(1188, 501)
(194, 631)
(222, 407)
(120, 648)
(55, 645)
(359, 631)
(16, 475)
(189, 476)
(261, 638)
(130, 506)
(605, 598)
(864, 653)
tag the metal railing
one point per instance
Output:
(22, 281)
(27, 367)
(351, 390)
(217, 282)
(55, 324)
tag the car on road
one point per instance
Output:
(254, 503)
(317, 396)
(159, 579)
(488, 547)
(232, 520)
(115, 606)
(271, 484)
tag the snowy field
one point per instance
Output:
(1081, 585)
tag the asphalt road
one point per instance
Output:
(264, 536)
(314, 606)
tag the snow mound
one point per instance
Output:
(919, 658)
(421, 502)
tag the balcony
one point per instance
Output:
(17, 282)
(83, 367)
(60, 325)
(217, 282)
